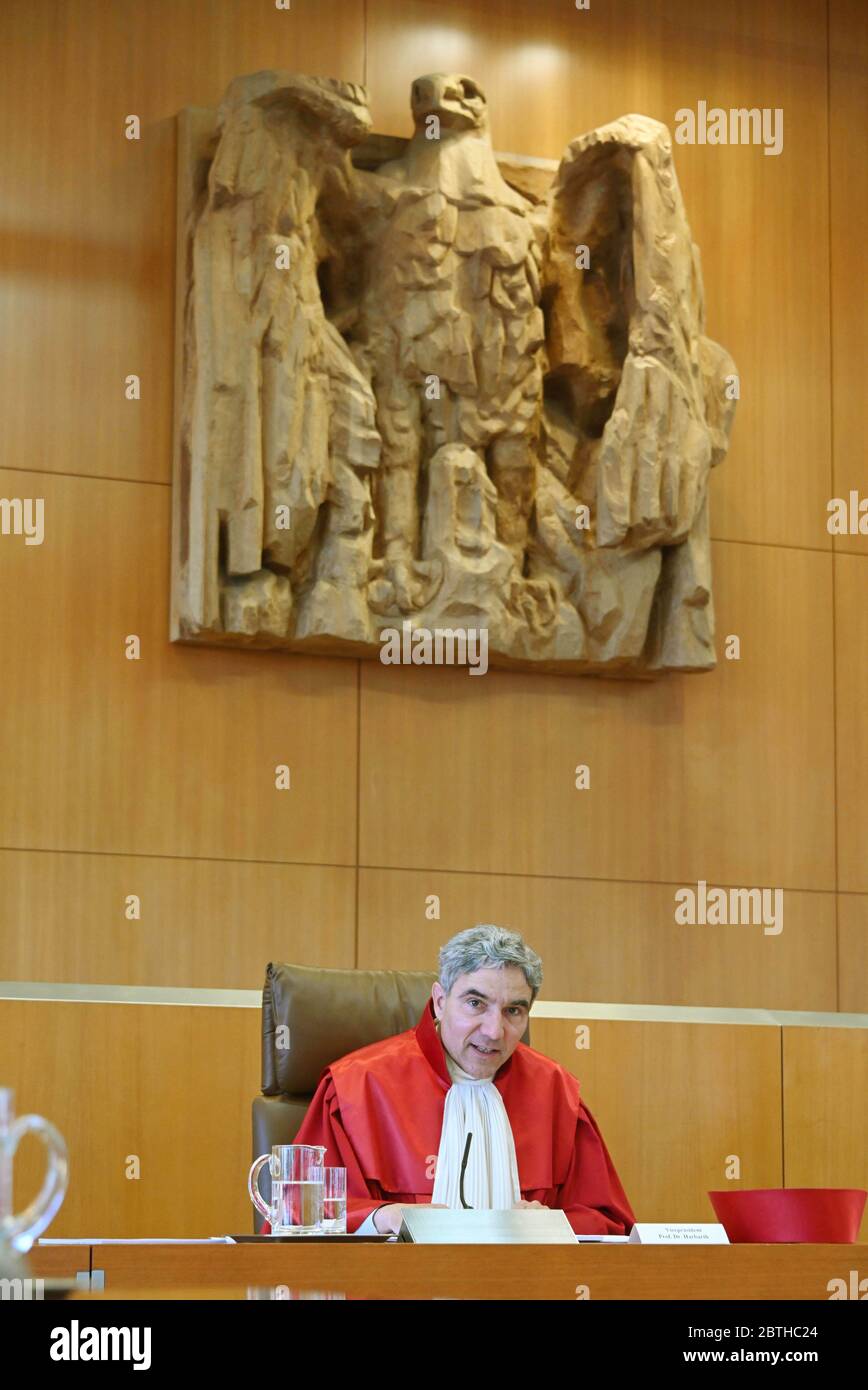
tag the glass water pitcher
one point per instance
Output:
(19, 1230)
(296, 1189)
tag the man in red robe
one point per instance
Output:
(396, 1114)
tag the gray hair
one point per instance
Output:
(484, 947)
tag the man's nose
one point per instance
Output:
(492, 1027)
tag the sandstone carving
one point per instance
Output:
(421, 382)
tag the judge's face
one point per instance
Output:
(483, 1017)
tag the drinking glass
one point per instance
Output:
(334, 1201)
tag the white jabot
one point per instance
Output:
(475, 1106)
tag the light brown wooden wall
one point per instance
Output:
(171, 1085)
(156, 777)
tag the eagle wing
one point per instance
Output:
(631, 375)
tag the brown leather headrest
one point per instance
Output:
(327, 1013)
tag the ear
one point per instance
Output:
(438, 994)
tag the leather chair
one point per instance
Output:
(324, 1014)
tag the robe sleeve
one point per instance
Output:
(591, 1195)
(322, 1125)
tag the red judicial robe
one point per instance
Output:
(379, 1113)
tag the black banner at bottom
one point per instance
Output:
(285, 1328)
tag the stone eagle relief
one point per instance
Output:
(420, 383)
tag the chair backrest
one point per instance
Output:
(312, 1016)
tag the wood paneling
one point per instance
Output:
(173, 1085)
(851, 665)
(91, 249)
(551, 72)
(156, 777)
(88, 235)
(674, 1101)
(607, 942)
(169, 1084)
(726, 777)
(205, 923)
(853, 953)
(382, 1270)
(848, 109)
(174, 754)
(60, 1262)
(825, 1116)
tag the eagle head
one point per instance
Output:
(457, 101)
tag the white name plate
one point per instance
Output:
(426, 1225)
(678, 1233)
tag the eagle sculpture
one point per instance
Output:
(422, 383)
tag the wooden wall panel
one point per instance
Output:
(825, 1115)
(80, 74)
(848, 110)
(173, 754)
(162, 770)
(851, 665)
(174, 1085)
(691, 777)
(853, 953)
(673, 1101)
(551, 72)
(607, 942)
(170, 1084)
(88, 237)
(205, 923)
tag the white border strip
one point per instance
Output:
(252, 999)
(690, 1013)
(130, 994)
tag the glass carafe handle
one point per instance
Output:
(253, 1186)
(20, 1231)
